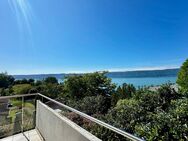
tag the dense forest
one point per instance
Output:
(161, 114)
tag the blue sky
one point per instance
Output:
(54, 36)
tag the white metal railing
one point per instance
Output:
(101, 123)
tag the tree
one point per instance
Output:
(98, 84)
(92, 84)
(50, 90)
(74, 87)
(51, 80)
(22, 88)
(38, 83)
(31, 81)
(182, 80)
(171, 125)
(6, 80)
(167, 94)
(24, 81)
(123, 92)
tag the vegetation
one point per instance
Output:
(21, 88)
(6, 80)
(161, 114)
(51, 80)
(183, 77)
(92, 84)
(24, 81)
(123, 92)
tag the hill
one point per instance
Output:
(145, 73)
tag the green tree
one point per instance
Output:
(92, 84)
(182, 80)
(31, 81)
(21, 88)
(50, 90)
(123, 92)
(74, 87)
(38, 83)
(167, 94)
(51, 80)
(24, 81)
(98, 84)
(6, 80)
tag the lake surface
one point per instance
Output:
(136, 81)
(144, 81)
(137, 78)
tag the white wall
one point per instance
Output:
(55, 127)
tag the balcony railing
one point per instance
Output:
(20, 115)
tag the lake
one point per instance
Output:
(145, 81)
(137, 78)
(142, 81)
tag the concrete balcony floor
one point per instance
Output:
(32, 135)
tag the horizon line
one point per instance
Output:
(107, 70)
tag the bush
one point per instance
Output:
(179, 111)
(171, 125)
(94, 105)
(125, 115)
(157, 129)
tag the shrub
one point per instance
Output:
(95, 105)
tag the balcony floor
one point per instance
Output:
(32, 135)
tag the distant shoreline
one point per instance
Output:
(120, 74)
(137, 78)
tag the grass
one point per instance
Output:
(28, 114)
(12, 113)
(17, 105)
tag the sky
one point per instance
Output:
(56, 36)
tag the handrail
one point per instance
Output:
(16, 96)
(123, 133)
(101, 123)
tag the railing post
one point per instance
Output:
(22, 113)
